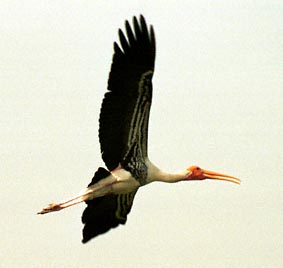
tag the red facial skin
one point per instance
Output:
(196, 173)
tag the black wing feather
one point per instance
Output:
(130, 62)
(106, 212)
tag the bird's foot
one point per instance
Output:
(82, 196)
(51, 208)
(101, 188)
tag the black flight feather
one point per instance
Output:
(106, 212)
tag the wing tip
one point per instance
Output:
(139, 31)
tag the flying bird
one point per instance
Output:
(123, 131)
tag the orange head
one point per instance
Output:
(196, 173)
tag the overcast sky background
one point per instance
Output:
(217, 103)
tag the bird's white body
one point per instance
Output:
(121, 181)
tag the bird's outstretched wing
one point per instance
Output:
(126, 106)
(106, 212)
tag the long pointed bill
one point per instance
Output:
(218, 176)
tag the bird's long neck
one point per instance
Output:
(169, 177)
(155, 174)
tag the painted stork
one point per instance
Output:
(123, 128)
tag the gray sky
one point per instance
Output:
(217, 102)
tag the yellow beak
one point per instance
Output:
(218, 176)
